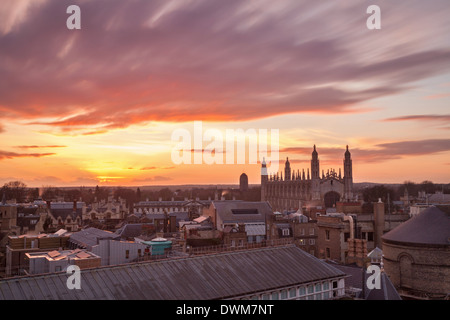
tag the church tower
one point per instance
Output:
(264, 179)
(315, 178)
(348, 176)
(287, 170)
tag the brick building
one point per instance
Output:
(417, 255)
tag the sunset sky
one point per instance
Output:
(99, 105)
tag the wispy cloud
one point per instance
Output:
(156, 168)
(40, 147)
(380, 152)
(144, 61)
(421, 117)
(12, 155)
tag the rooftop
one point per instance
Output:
(214, 276)
(231, 211)
(55, 255)
(430, 227)
(90, 236)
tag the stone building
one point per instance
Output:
(243, 182)
(346, 238)
(253, 215)
(297, 226)
(417, 255)
(311, 188)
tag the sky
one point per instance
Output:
(99, 105)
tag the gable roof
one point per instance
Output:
(214, 276)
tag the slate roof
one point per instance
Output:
(355, 280)
(214, 276)
(430, 227)
(386, 292)
(89, 237)
(130, 230)
(64, 209)
(239, 211)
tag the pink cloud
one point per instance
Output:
(137, 62)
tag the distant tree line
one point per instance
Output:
(21, 193)
(389, 194)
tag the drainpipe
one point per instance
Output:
(352, 230)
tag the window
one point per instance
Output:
(301, 291)
(327, 234)
(275, 296)
(265, 296)
(241, 243)
(302, 242)
(302, 231)
(283, 295)
(127, 254)
(292, 293)
(328, 252)
(318, 296)
(233, 243)
(326, 286)
(318, 287)
(312, 242)
(139, 252)
(310, 288)
(285, 232)
(311, 231)
(370, 236)
(326, 295)
(346, 236)
(57, 268)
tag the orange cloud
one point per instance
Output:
(12, 155)
(39, 147)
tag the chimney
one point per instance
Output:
(378, 213)
(159, 199)
(74, 205)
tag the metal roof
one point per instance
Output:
(214, 276)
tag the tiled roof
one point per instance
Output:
(214, 276)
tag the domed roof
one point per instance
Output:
(430, 227)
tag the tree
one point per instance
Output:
(428, 187)
(138, 194)
(15, 190)
(374, 193)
